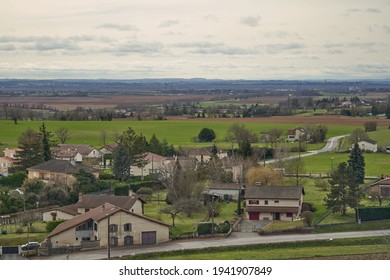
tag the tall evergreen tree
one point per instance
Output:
(345, 191)
(135, 144)
(30, 150)
(356, 162)
(47, 143)
(121, 163)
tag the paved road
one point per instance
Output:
(237, 238)
(332, 144)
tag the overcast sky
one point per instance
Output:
(224, 39)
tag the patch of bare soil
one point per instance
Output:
(337, 120)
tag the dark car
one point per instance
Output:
(30, 246)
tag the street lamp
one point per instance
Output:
(331, 164)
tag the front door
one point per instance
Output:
(276, 216)
(254, 216)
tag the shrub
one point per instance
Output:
(205, 228)
(19, 230)
(106, 175)
(145, 192)
(308, 216)
(51, 225)
(206, 135)
(223, 227)
(308, 206)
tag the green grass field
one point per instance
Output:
(176, 132)
(376, 163)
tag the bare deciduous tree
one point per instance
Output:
(263, 175)
(62, 134)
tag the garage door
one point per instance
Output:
(149, 237)
(254, 216)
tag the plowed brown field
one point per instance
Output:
(337, 120)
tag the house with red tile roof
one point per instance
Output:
(109, 224)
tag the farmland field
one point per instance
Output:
(175, 131)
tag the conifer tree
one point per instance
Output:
(356, 162)
(30, 150)
(47, 143)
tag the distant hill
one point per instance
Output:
(79, 87)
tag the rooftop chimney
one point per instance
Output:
(80, 196)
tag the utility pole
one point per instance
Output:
(108, 239)
(212, 214)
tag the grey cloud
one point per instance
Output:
(386, 28)
(373, 10)
(215, 48)
(120, 27)
(136, 47)
(354, 10)
(368, 10)
(363, 46)
(336, 51)
(373, 68)
(332, 45)
(276, 48)
(250, 21)
(7, 47)
(221, 48)
(55, 44)
(169, 23)
(46, 43)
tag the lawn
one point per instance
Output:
(183, 223)
(376, 163)
(12, 238)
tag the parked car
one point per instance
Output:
(30, 246)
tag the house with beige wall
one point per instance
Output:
(86, 202)
(380, 188)
(66, 212)
(76, 152)
(281, 203)
(109, 223)
(57, 171)
(8, 160)
(5, 164)
(151, 163)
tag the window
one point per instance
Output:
(127, 227)
(266, 202)
(385, 191)
(95, 226)
(289, 215)
(276, 201)
(113, 228)
(253, 202)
